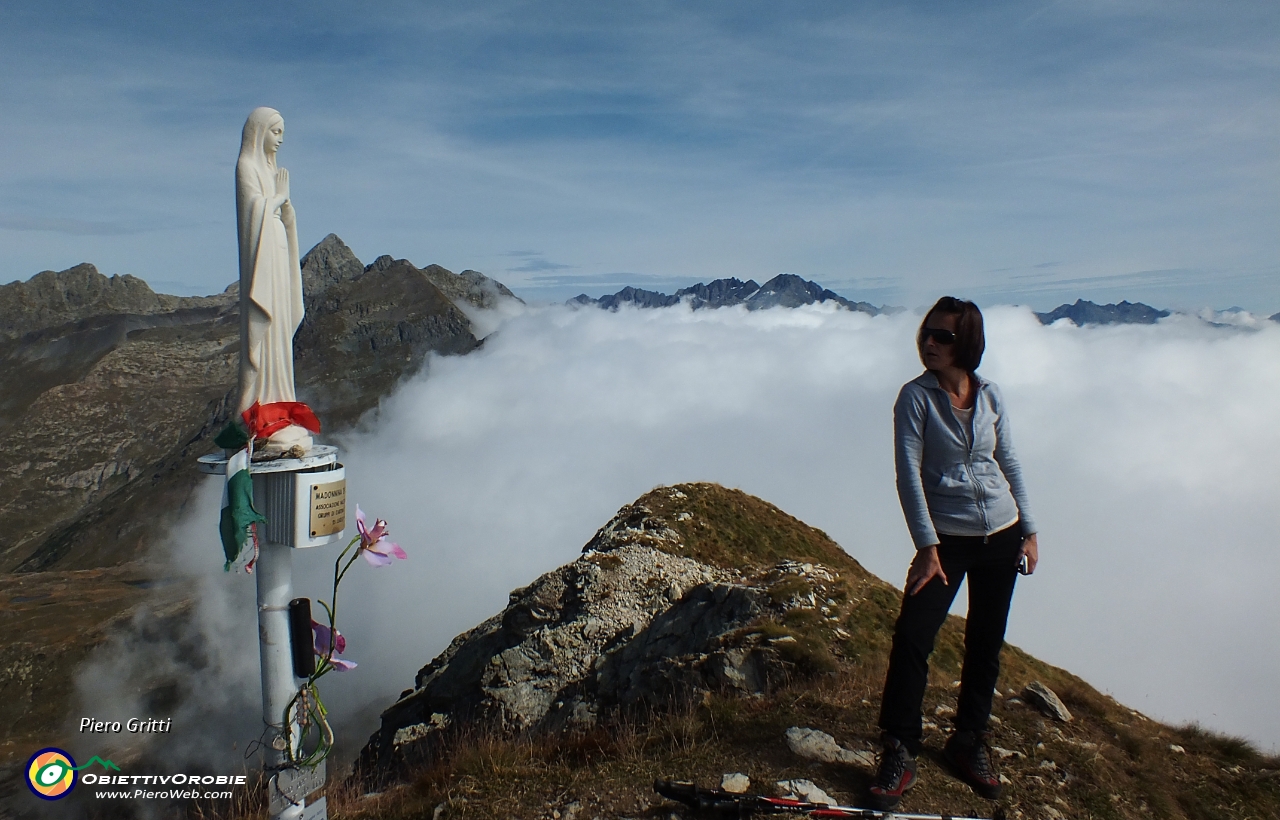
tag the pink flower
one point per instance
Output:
(329, 642)
(374, 545)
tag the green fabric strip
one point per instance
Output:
(239, 513)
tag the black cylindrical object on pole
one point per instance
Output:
(304, 657)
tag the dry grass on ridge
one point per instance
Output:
(609, 772)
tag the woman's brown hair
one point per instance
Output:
(970, 341)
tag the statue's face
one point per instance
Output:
(274, 138)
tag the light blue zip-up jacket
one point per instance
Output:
(953, 479)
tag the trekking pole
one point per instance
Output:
(723, 804)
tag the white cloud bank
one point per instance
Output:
(1149, 453)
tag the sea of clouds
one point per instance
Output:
(1149, 453)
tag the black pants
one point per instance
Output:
(992, 570)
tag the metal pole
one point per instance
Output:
(282, 491)
(275, 590)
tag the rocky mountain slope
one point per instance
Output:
(108, 394)
(109, 391)
(53, 620)
(704, 632)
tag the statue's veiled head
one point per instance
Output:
(263, 133)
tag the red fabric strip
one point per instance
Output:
(265, 419)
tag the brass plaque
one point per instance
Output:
(328, 508)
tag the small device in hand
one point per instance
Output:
(1024, 566)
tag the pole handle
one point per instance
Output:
(304, 658)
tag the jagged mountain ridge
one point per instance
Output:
(50, 299)
(1084, 312)
(710, 622)
(783, 290)
(789, 290)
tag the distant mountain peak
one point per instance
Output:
(329, 263)
(719, 293)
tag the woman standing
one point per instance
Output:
(963, 497)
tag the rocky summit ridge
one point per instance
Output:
(705, 634)
(52, 298)
(681, 593)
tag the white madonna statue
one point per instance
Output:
(270, 275)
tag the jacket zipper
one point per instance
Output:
(977, 488)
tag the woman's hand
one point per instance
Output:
(924, 568)
(1031, 549)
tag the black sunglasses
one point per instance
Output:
(942, 337)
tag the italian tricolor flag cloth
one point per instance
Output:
(238, 523)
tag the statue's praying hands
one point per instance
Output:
(282, 185)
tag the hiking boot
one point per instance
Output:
(967, 753)
(896, 774)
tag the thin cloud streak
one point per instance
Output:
(538, 266)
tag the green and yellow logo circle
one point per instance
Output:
(51, 773)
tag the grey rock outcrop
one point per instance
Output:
(812, 744)
(804, 790)
(627, 624)
(1047, 701)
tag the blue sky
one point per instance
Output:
(1009, 152)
